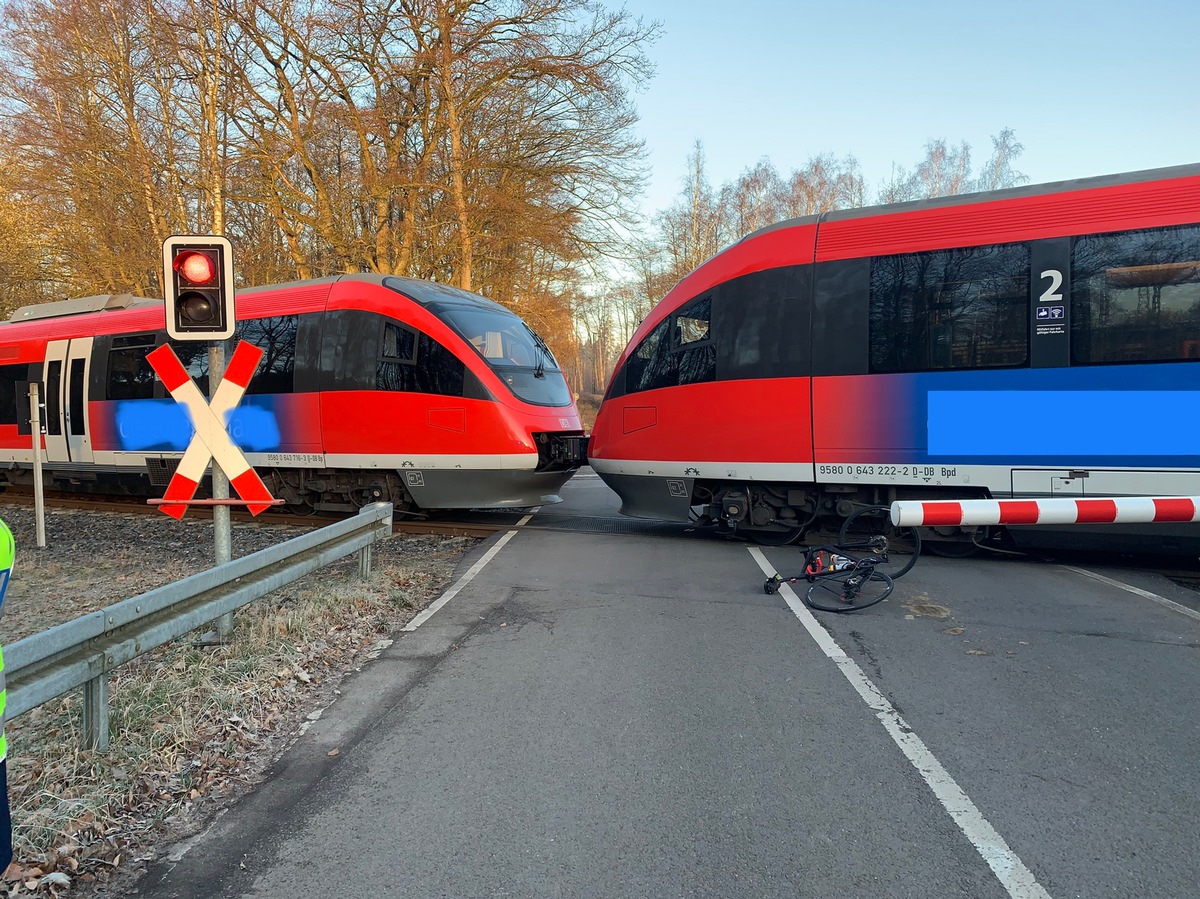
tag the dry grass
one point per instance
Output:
(193, 727)
(588, 405)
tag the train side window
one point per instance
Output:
(276, 337)
(194, 356)
(396, 369)
(130, 376)
(399, 344)
(9, 376)
(697, 357)
(78, 397)
(439, 370)
(692, 323)
(1135, 296)
(651, 365)
(965, 308)
(416, 363)
(53, 397)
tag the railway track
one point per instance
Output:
(470, 524)
(445, 527)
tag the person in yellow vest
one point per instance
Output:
(6, 564)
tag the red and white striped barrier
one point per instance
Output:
(972, 512)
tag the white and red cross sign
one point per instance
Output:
(211, 441)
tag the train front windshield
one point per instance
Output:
(518, 356)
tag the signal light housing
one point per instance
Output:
(198, 274)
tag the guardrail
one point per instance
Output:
(82, 653)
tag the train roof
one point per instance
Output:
(1008, 193)
(427, 293)
(436, 294)
(80, 305)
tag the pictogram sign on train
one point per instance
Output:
(211, 441)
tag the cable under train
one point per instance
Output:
(1040, 341)
(370, 388)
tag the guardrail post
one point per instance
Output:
(95, 714)
(364, 554)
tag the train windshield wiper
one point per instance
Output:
(543, 353)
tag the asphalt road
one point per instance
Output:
(619, 715)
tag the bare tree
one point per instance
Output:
(72, 91)
(698, 225)
(998, 171)
(825, 183)
(945, 171)
(27, 272)
(758, 198)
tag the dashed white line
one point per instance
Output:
(1008, 868)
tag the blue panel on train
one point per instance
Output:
(254, 429)
(165, 426)
(161, 425)
(1033, 423)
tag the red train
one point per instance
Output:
(1032, 342)
(371, 387)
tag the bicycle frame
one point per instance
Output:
(851, 571)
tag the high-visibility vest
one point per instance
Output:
(6, 564)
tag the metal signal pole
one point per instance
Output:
(222, 530)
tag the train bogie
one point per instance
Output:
(370, 388)
(1033, 342)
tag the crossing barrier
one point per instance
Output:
(1110, 510)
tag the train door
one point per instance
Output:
(66, 378)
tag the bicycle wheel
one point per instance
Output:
(903, 544)
(847, 591)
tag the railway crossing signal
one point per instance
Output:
(198, 279)
(211, 442)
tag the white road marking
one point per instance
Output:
(459, 584)
(1138, 591)
(427, 613)
(529, 517)
(1009, 870)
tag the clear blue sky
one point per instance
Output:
(1089, 88)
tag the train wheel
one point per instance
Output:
(903, 544)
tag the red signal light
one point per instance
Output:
(198, 281)
(198, 268)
